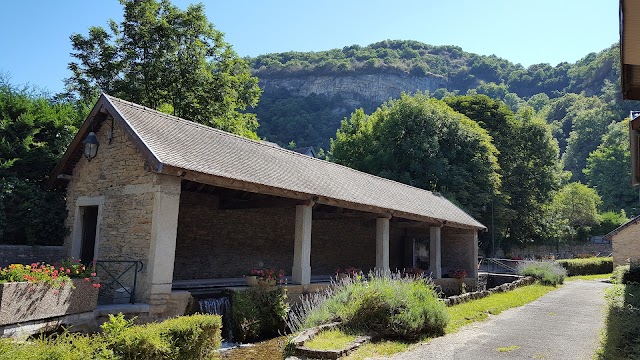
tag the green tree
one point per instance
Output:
(34, 133)
(609, 170)
(528, 159)
(587, 130)
(576, 207)
(610, 221)
(160, 55)
(423, 142)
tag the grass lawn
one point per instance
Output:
(621, 336)
(462, 314)
(589, 277)
(330, 340)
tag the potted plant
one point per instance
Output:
(264, 277)
(459, 274)
(348, 272)
(251, 277)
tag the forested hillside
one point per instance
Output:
(307, 94)
(559, 139)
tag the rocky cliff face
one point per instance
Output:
(355, 89)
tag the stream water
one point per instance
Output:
(219, 306)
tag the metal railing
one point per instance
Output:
(118, 280)
(501, 266)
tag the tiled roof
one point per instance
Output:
(631, 222)
(193, 147)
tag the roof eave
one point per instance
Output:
(103, 107)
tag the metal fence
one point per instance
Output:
(118, 280)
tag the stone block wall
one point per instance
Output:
(626, 245)
(566, 251)
(118, 174)
(215, 243)
(25, 254)
(457, 249)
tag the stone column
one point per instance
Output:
(382, 244)
(474, 252)
(164, 229)
(301, 270)
(435, 252)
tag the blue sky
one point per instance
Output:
(34, 34)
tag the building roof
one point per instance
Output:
(629, 223)
(179, 147)
(630, 48)
(307, 150)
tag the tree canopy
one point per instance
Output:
(528, 159)
(609, 170)
(422, 142)
(576, 206)
(34, 133)
(167, 59)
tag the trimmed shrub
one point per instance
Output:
(546, 272)
(65, 346)
(389, 305)
(258, 313)
(184, 337)
(627, 274)
(588, 266)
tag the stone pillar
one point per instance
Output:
(435, 252)
(382, 244)
(474, 252)
(301, 270)
(164, 229)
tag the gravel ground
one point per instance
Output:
(563, 324)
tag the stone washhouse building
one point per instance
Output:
(625, 242)
(199, 207)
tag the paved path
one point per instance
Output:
(562, 324)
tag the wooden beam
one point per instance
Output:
(413, 225)
(243, 185)
(338, 216)
(259, 204)
(235, 184)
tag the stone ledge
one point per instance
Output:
(75, 322)
(309, 334)
(137, 308)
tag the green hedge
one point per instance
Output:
(588, 266)
(185, 337)
(181, 338)
(258, 313)
(627, 274)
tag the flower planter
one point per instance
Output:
(21, 302)
(251, 280)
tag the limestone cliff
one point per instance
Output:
(355, 89)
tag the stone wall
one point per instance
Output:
(24, 254)
(626, 245)
(118, 175)
(457, 250)
(215, 243)
(566, 251)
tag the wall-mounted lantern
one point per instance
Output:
(91, 146)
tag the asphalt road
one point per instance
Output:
(562, 324)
